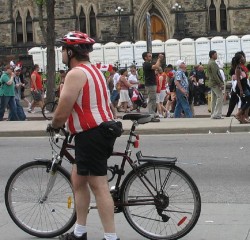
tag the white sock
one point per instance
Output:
(79, 230)
(110, 236)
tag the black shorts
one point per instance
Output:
(92, 150)
(37, 95)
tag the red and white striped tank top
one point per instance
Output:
(92, 105)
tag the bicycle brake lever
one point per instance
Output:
(57, 137)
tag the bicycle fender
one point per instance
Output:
(42, 160)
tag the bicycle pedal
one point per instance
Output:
(117, 209)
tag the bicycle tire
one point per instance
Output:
(177, 209)
(48, 109)
(23, 194)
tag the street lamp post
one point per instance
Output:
(179, 31)
(119, 10)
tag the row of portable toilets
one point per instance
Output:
(127, 53)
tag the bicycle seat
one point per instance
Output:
(152, 159)
(140, 118)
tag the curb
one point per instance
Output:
(165, 126)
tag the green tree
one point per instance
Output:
(48, 33)
(40, 5)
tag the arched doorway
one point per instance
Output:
(158, 30)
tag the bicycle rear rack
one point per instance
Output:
(154, 159)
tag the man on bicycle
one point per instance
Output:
(84, 104)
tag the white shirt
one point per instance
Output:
(116, 79)
(222, 75)
(133, 79)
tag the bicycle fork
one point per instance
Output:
(53, 174)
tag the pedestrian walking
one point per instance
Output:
(242, 88)
(182, 91)
(18, 88)
(36, 89)
(7, 94)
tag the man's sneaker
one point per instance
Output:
(31, 111)
(71, 236)
(167, 114)
(155, 120)
(116, 239)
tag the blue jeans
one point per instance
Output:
(20, 112)
(182, 104)
(114, 96)
(8, 101)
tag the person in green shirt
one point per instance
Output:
(7, 94)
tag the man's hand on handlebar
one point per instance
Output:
(51, 129)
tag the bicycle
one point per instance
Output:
(158, 199)
(50, 107)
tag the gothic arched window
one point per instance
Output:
(223, 16)
(82, 21)
(212, 17)
(92, 21)
(19, 29)
(29, 28)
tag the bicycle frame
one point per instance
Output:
(119, 170)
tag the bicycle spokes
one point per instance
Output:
(176, 203)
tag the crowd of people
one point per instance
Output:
(15, 89)
(171, 92)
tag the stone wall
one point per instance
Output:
(195, 14)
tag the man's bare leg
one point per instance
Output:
(82, 196)
(100, 188)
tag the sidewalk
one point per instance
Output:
(200, 124)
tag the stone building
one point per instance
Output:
(105, 22)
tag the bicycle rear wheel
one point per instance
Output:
(166, 207)
(30, 210)
(48, 109)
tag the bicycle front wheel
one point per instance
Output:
(48, 109)
(35, 212)
(161, 201)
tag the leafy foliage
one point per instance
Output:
(40, 2)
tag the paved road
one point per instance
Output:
(222, 175)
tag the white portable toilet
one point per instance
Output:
(139, 48)
(172, 51)
(97, 55)
(111, 53)
(58, 55)
(158, 46)
(233, 45)
(187, 50)
(44, 53)
(245, 46)
(126, 54)
(202, 49)
(39, 56)
(219, 45)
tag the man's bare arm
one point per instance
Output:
(74, 82)
(33, 79)
(158, 62)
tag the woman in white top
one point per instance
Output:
(125, 85)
